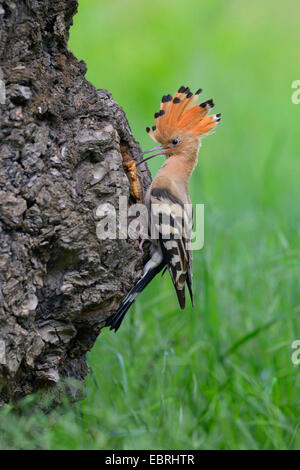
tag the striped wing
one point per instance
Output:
(171, 224)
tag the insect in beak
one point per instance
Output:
(159, 147)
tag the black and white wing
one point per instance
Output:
(171, 224)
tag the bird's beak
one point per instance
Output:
(162, 151)
(159, 147)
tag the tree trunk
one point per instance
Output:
(61, 146)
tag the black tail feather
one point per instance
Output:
(189, 282)
(115, 320)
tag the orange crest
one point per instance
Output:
(180, 114)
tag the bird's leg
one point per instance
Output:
(143, 240)
(142, 235)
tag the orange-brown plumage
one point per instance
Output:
(179, 114)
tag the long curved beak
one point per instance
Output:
(159, 147)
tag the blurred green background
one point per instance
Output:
(218, 376)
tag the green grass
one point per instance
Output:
(218, 376)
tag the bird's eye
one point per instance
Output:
(175, 141)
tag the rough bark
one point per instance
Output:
(60, 148)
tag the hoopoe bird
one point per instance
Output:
(179, 126)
